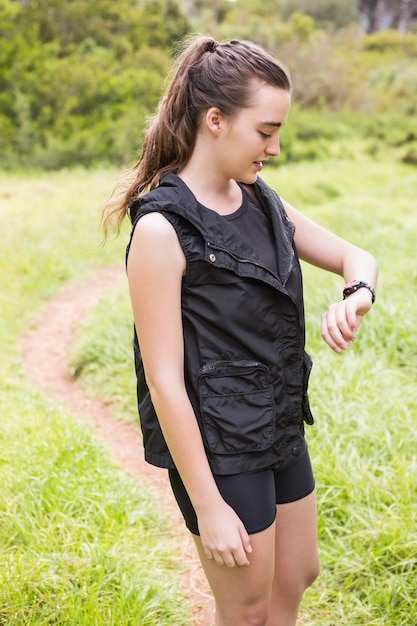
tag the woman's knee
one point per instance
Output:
(308, 574)
(313, 573)
(248, 614)
(257, 615)
(292, 583)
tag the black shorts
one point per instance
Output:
(254, 495)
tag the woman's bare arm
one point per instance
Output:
(155, 268)
(320, 247)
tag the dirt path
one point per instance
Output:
(46, 354)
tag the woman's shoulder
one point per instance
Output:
(171, 195)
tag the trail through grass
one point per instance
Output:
(80, 542)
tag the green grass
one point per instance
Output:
(364, 441)
(80, 542)
(102, 354)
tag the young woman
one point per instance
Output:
(216, 291)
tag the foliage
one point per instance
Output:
(392, 40)
(341, 13)
(79, 79)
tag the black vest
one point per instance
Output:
(246, 370)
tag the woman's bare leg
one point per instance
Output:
(243, 594)
(296, 559)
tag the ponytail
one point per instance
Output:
(206, 74)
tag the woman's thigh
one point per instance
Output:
(296, 544)
(242, 592)
(283, 563)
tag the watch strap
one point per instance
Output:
(354, 285)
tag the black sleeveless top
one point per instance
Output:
(253, 224)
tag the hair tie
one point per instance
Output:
(212, 46)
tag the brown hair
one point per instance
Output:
(206, 74)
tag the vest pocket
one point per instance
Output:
(237, 406)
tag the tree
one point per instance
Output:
(383, 14)
(407, 11)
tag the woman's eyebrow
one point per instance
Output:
(275, 124)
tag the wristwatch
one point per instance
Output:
(354, 285)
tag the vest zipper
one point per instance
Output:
(215, 366)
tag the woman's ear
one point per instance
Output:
(214, 120)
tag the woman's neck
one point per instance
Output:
(212, 191)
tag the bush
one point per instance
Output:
(78, 81)
(75, 77)
(391, 40)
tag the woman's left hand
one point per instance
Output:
(340, 323)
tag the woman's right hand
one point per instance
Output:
(223, 536)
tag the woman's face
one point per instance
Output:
(251, 137)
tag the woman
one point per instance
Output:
(216, 292)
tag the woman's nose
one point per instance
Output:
(274, 147)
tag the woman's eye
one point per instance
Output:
(266, 135)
